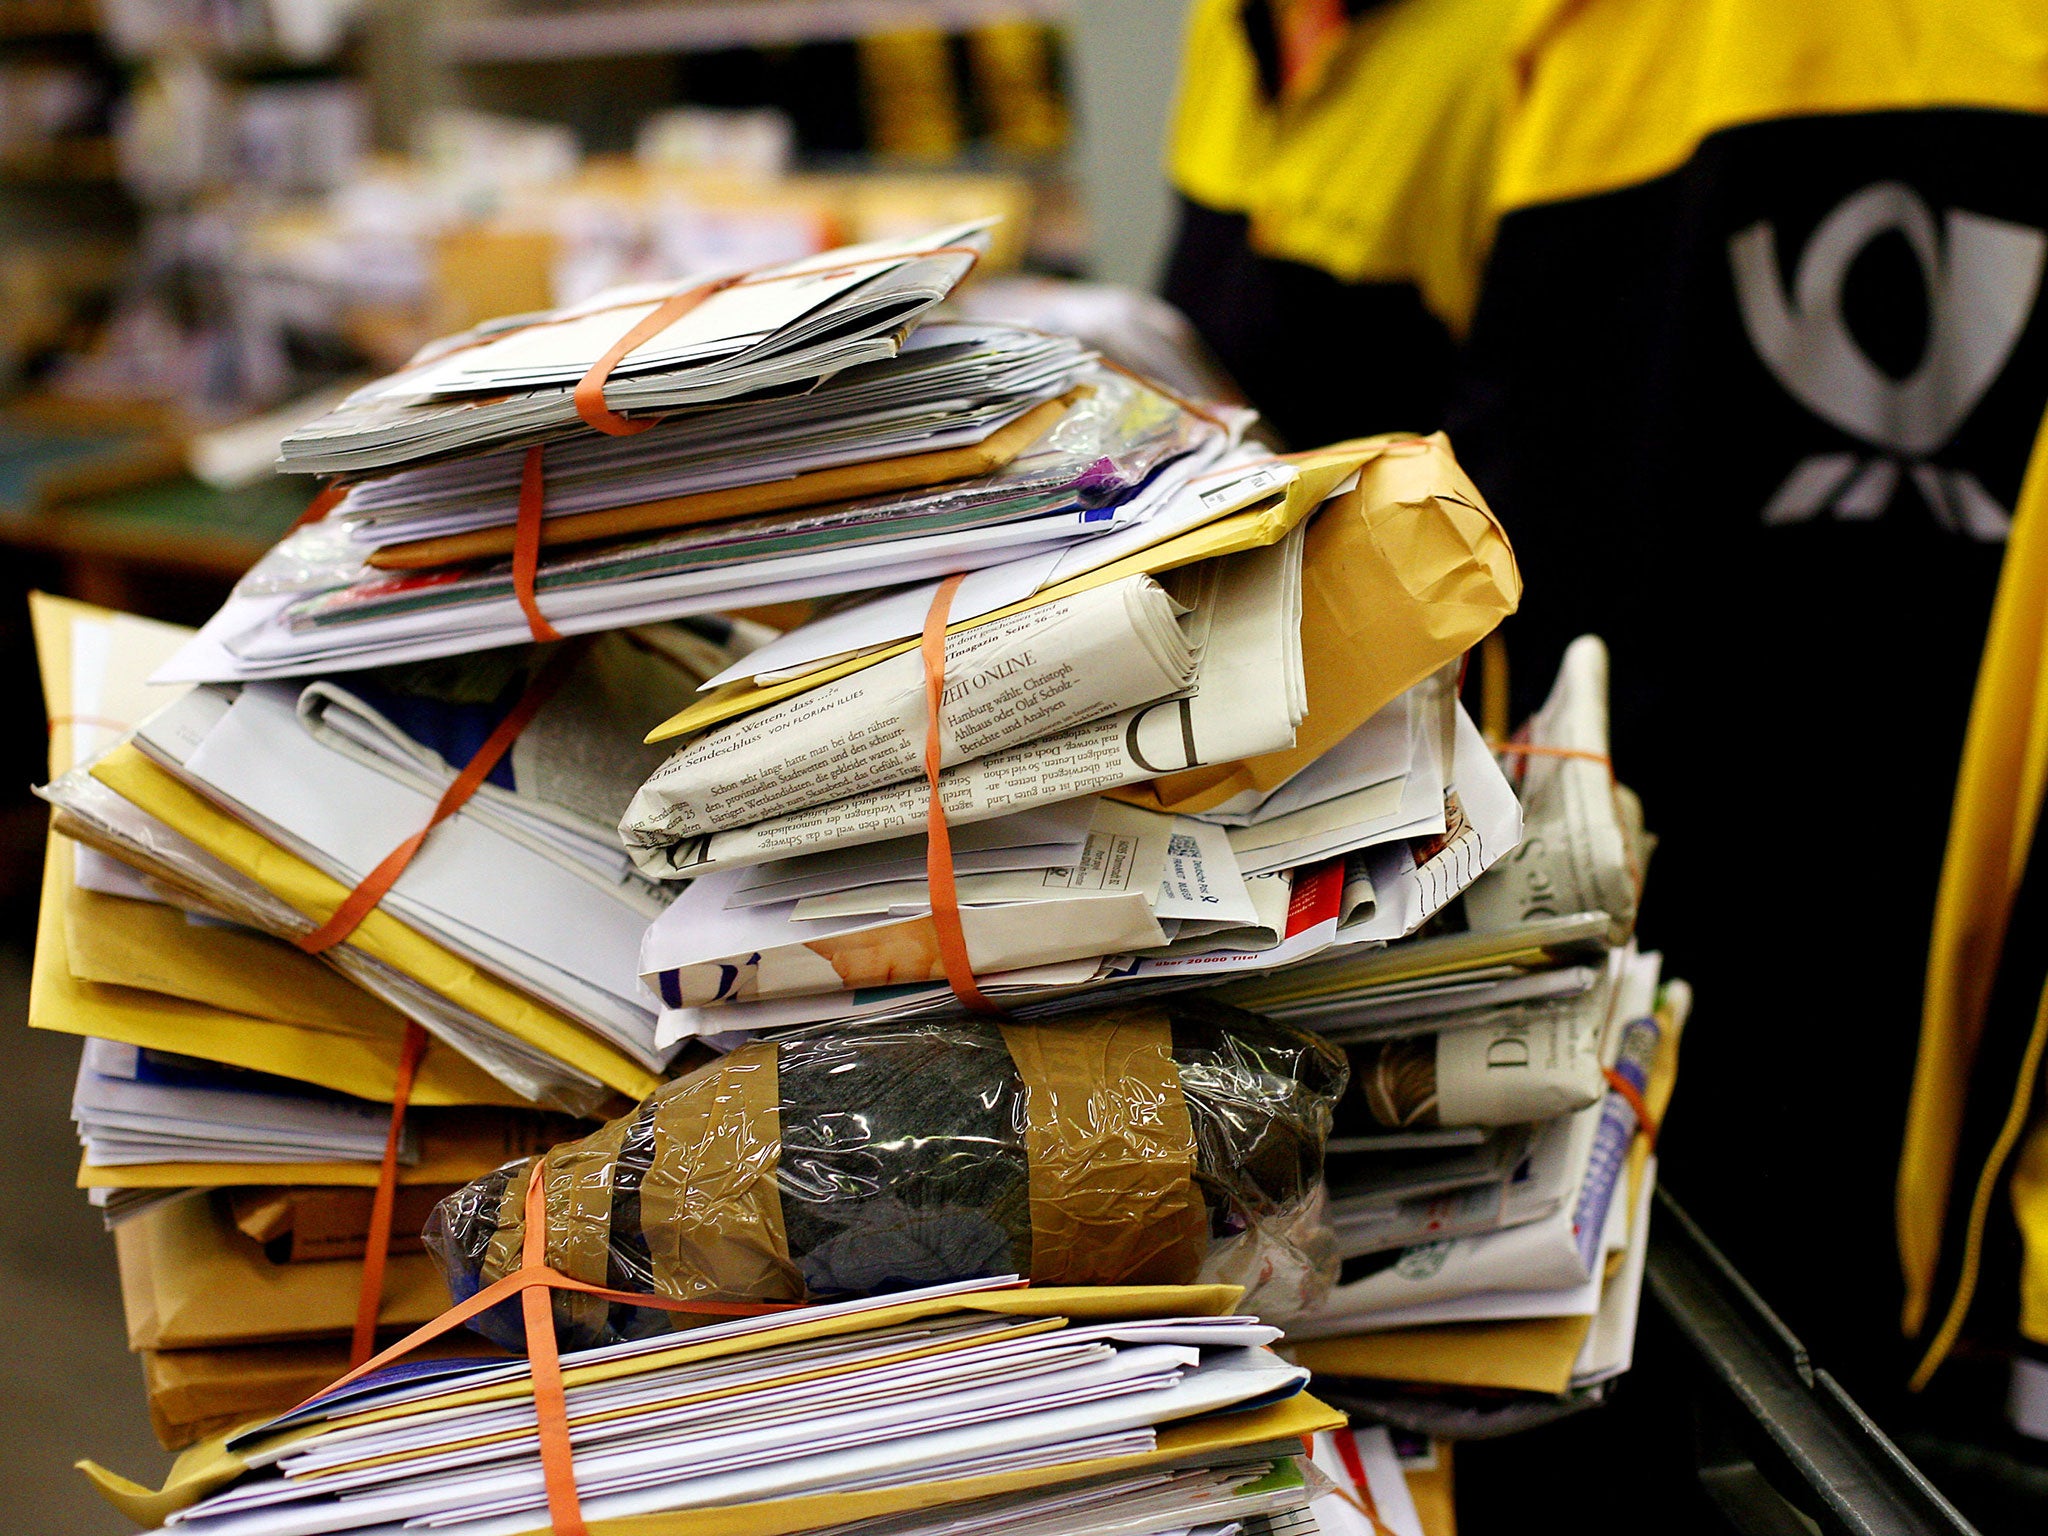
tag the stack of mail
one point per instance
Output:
(141, 1106)
(1139, 1410)
(805, 440)
(513, 937)
(1490, 1171)
(1160, 777)
(216, 1059)
(1197, 730)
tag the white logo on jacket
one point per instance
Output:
(1981, 276)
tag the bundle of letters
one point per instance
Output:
(813, 890)
(1491, 1168)
(978, 1407)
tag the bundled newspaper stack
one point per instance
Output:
(1491, 1168)
(1114, 725)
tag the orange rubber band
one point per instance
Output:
(1633, 1096)
(589, 394)
(377, 1248)
(1531, 749)
(544, 1362)
(526, 543)
(1193, 407)
(376, 885)
(938, 852)
(329, 498)
(532, 1282)
(590, 388)
(101, 722)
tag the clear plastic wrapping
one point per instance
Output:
(1168, 1142)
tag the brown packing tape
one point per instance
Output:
(1401, 575)
(579, 1178)
(710, 1212)
(1111, 1150)
(709, 1204)
(508, 1232)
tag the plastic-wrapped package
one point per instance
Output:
(1167, 1142)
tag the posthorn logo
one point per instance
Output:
(1981, 277)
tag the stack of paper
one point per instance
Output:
(217, 1058)
(819, 910)
(804, 448)
(1140, 1410)
(1490, 1171)
(1196, 730)
(139, 1106)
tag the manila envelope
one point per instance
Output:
(1401, 575)
(194, 1393)
(1518, 1355)
(189, 1280)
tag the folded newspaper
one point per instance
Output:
(1244, 698)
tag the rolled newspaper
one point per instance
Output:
(1011, 681)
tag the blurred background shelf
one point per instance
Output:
(589, 32)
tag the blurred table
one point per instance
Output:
(113, 545)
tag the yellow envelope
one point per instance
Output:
(1401, 576)
(210, 1465)
(364, 1067)
(1255, 527)
(383, 937)
(1533, 1354)
(189, 1280)
(357, 1054)
(153, 947)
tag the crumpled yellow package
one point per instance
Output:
(1402, 574)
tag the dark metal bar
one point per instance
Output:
(1781, 1447)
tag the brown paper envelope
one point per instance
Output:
(1401, 576)
(189, 1280)
(194, 1393)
